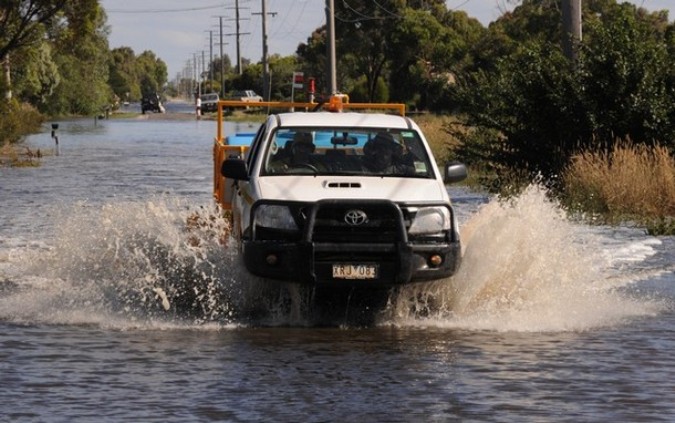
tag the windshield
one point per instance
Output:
(344, 151)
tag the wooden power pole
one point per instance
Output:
(265, 57)
(571, 22)
(330, 45)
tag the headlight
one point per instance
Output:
(274, 216)
(430, 220)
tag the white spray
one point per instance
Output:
(526, 267)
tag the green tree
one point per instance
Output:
(81, 53)
(282, 69)
(250, 79)
(312, 58)
(532, 108)
(123, 75)
(426, 51)
(36, 75)
(627, 75)
(215, 67)
(22, 26)
(152, 73)
(414, 47)
(361, 39)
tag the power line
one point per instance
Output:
(290, 29)
(389, 12)
(452, 9)
(361, 17)
(189, 9)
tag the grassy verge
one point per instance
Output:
(16, 121)
(14, 155)
(629, 183)
(443, 145)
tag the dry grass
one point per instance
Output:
(19, 156)
(434, 128)
(629, 182)
(444, 145)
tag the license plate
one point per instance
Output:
(355, 271)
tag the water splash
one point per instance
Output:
(133, 261)
(159, 263)
(527, 267)
(163, 263)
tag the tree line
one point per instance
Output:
(530, 109)
(520, 103)
(55, 57)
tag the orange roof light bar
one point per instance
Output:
(337, 103)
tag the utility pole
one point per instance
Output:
(194, 63)
(203, 74)
(571, 23)
(238, 34)
(211, 58)
(222, 55)
(222, 70)
(265, 56)
(236, 15)
(330, 43)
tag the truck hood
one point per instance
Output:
(311, 188)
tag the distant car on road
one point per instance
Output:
(152, 103)
(245, 95)
(209, 102)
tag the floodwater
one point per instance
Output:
(112, 309)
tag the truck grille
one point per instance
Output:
(371, 222)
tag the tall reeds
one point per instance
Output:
(629, 182)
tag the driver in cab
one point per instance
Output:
(297, 154)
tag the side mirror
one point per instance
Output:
(455, 172)
(234, 169)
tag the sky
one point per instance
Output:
(178, 31)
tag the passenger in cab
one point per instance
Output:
(383, 155)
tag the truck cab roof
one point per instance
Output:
(345, 119)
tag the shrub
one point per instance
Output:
(630, 181)
(534, 108)
(17, 120)
(441, 143)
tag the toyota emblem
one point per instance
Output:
(355, 217)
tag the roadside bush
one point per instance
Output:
(628, 182)
(442, 145)
(534, 108)
(17, 120)
(360, 90)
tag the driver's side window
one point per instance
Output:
(255, 146)
(279, 156)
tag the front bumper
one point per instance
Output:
(312, 263)
(324, 244)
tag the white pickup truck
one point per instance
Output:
(339, 199)
(246, 96)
